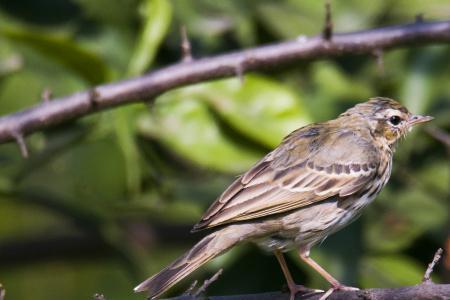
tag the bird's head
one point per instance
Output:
(388, 119)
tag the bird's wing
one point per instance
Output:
(310, 165)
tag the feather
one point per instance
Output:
(297, 174)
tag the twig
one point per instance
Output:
(327, 32)
(208, 282)
(440, 135)
(436, 258)
(186, 51)
(147, 87)
(191, 288)
(2, 292)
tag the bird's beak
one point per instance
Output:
(416, 119)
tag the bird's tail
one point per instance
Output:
(209, 247)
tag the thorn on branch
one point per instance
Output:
(327, 32)
(186, 50)
(46, 95)
(21, 143)
(378, 53)
(419, 18)
(207, 283)
(98, 296)
(93, 97)
(191, 288)
(2, 292)
(239, 70)
(436, 258)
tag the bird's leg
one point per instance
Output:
(293, 287)
(304, 255)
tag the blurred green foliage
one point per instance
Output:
(107, 200)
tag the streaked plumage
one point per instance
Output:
(314, 183)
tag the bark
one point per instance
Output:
(423, 291)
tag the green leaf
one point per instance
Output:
(125, 131)
(287, 22)
(416, 89)
(435, 177)
(390, 271)
(105, 275)
(335, 83)
(409, 213)
(119, 12)
(157, 18)
(289, 19)
(186, 125)
(224, 124)
(261, 109)
(212, 22)
(89, 175)
(62, 49)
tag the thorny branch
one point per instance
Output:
(421, 291)
(145, 88)
(426, 290)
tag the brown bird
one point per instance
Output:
(314, 183)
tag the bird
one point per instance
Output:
(316, 181)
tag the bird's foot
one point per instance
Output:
(338, 287)
(298, 288)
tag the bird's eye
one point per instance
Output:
(395, 120)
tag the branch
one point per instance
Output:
(421, 291)
(145, 88)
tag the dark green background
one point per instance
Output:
(109, 199)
